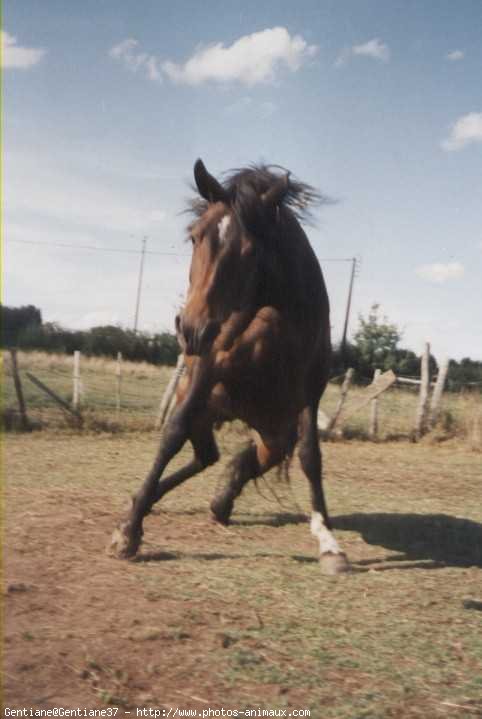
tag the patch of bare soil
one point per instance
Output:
(239, 617)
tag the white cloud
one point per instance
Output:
(127, 53)
(439, 272)
(252, 59)
(465, 130)
(374, 49)
(14, 55)
(455, 55)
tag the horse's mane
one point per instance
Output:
(240, 183)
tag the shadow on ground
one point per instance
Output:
(445, 540)
(269, 520)
(426, 541)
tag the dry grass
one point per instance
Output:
(144, 384)
(51, 362)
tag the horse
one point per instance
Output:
(255, 335)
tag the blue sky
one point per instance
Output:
(107, 104)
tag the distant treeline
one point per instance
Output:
(23, 327)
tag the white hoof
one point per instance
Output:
(332, 564)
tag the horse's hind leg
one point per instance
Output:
(127, 537)
(332, 559)
(252, 462)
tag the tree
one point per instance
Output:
(376, 341)
(16, 320)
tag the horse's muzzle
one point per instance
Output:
(196, 340)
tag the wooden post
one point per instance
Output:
(373, 430)
(168, 395)
(422, 409)
(367, 394)
(76, 380)
(18, 389)
(438, 391)
(341, 401)
(118, 374)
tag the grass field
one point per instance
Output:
(242, 618)
(143, 386)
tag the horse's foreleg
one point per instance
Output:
(332, 558)
(127, 537)
(206, 453)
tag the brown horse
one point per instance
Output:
(255, 333)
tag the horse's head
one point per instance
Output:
(225, 256)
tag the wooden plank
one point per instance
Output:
(410, 380)
(381, 384)
(63, 404)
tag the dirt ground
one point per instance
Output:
(240, 618)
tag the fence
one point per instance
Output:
(59, 388)
(115, 394)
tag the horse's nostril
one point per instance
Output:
(177, 323)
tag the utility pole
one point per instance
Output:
(139, 284)
(348, 306)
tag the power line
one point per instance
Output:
(98, 248)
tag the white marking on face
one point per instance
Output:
(223, 227)
(327, 541)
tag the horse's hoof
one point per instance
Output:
(124, 544)
(332, 564)
(221, 510)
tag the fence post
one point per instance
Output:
(19, 391)
(76, 380)
(341, 401)
(373, 429)
(438, 391)
(168, 395)
(421, 416)
(118, 373)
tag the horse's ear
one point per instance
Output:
(276, 193)
(208, 186)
